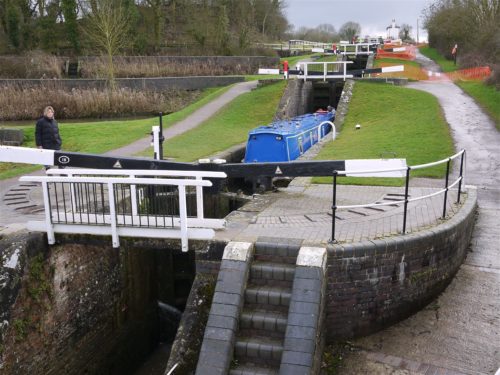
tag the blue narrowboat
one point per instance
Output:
(286, 140)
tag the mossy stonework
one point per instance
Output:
(81, 306)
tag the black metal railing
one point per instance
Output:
(406, 199)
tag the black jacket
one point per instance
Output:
(47, 134)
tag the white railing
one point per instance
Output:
(326, 70)
(355, 49)
(125, 202)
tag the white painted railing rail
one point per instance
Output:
(198, 175)
(124, 203)
(355, 49)
(325, 70)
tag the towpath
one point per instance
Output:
(192, 121)
(459, 332)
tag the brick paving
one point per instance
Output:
(303, 211)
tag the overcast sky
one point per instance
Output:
(373, 15)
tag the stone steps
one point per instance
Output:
(252, 369)
(259, 341)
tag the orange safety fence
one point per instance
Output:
(470, 74)
(410, 72)
(419, 74)
(408, 54)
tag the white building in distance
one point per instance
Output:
(393, 31)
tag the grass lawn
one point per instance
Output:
(256, 77)
(293, 60)
(445, 64)
(488, 97)
(396, 122)
(327, 58)
(228, 127)
(99, 137)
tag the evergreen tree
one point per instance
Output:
(69, 11)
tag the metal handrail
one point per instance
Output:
(406, 199)
(419, 166)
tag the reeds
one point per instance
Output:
(18, 103)
(37, 64)
(34, 64)
(127, 67)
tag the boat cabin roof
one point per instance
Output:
(295, 125)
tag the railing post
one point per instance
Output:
(112, 215)
(48, 214)
(73, 195)
(133, 198)
(461, 176)
(183, 217)
(199, 200)
(324, 72)
(407, 183)
(334, 205)
(446, 186)
(345, 69)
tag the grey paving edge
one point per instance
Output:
(303, 344)
(220, 333)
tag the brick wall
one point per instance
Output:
(374, 284)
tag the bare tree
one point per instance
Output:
(349, 30)
(404, 32)
(107, 31)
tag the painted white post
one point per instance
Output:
(324, 72)
(73, 196)
(133, 197)
(345, 69)
(112, 213)
(305, 71)
(48, 218)
(183, 217)
(156, 141)
(199, 200)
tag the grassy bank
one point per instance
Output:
(396, 122)
(487, 97)
(228, 127)
(103, 136)
(445, 64)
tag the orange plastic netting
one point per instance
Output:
(417, 73)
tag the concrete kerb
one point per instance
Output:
(304, 342)
(220, 333)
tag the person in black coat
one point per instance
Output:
(47, 131)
